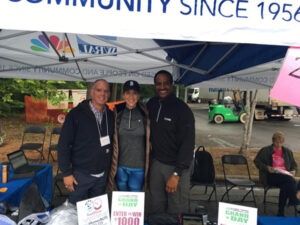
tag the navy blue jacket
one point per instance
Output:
(79, 143)
(172, 132)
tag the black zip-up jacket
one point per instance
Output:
(172, 132)
(264, 158)
(79, 143)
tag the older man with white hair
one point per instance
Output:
(85, 145)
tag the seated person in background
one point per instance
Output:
(277, 167)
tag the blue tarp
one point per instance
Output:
(242, 57)
(272, 220)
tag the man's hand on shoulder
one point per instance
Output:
(69, 181)
(172, 184)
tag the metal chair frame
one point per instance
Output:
(214, 189)
(206, 184)
(237, 182)
(53, 147)
(58, 177)
(33, 146)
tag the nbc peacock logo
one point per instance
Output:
(42, 44)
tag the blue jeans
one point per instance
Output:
(130, 179)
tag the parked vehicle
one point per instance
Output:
(266, 107)
(273, 108)
(194, 95)
(227, 108)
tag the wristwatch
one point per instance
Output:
(175, 174)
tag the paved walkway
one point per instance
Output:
(198, 197)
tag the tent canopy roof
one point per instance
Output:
(61, 56)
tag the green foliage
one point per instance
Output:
(12, 92)
(55, 97)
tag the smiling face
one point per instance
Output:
(163, 85)
(131, 98)
(100, 94)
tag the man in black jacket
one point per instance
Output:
(85, 145)
(173, 140)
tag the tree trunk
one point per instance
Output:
(121, 92)
(243, 148)
(253, 106)
(249, 122)
(114, 92)
(1, 136)
(89, 88)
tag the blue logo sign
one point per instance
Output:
(87, 48)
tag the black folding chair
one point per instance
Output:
(39, 132)
(58, 178)
(212, 183)
(53, 147)
(237, 180)
(266, 189)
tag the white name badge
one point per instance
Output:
(104, 140)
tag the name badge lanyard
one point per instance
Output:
(103, 140)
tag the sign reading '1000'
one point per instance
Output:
(128, 220)
(265, 10)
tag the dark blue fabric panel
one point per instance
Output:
(267, 220)
(16, 188)
(244, 56)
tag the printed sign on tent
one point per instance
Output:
(127, 208)
(93, 211)
(241, 21)
(230, 214)
(287, 85)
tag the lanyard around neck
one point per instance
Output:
(99, 125)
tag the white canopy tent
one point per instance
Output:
(240, 21)
(257, 77)
(68, 48)
(58, 56)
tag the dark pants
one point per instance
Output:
(287, 185)
(161, 201)
(88, 187)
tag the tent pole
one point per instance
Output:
(185, 94)
(223, 58)
(177, 91)
(140, 51)
(194, 61)
(78, 67)
(16, 35)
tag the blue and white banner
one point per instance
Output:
(243, 21)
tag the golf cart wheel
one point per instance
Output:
(243, 117)
(218, 119)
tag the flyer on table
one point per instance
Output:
(230, 214)
(93, 211)
(127, 208)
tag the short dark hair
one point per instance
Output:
(164, 72)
